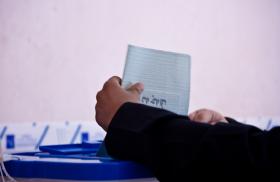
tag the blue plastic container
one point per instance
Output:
(76, 162)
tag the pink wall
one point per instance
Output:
(55, 55)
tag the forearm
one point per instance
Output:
(172, 145)
(133, 129)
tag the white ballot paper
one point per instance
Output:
(166, 77)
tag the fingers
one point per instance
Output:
(192, 115)
(136, 88)
(203, 116)
(98, 95)
(97, 114)
(200, 115)
(111, 97)
(219, 117)
(116, 81)
(207, 116)
(113, 81)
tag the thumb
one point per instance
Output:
(192, 115)
(136, 88)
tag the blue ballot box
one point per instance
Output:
(73, 162)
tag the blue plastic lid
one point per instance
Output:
(83, 148)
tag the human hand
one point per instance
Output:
(207, 116)
(111, 97)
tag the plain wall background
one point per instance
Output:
(55, 55)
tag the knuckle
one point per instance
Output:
(204, 110)
(98, 95)
(97, 116)
(201, 116)
(97, 119)
(191, 116)
(118, 79)
(106, 85)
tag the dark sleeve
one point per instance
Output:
(233, 121)
(175, 148)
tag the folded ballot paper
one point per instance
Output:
(166, 78)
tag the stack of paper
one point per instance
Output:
(166, 77)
